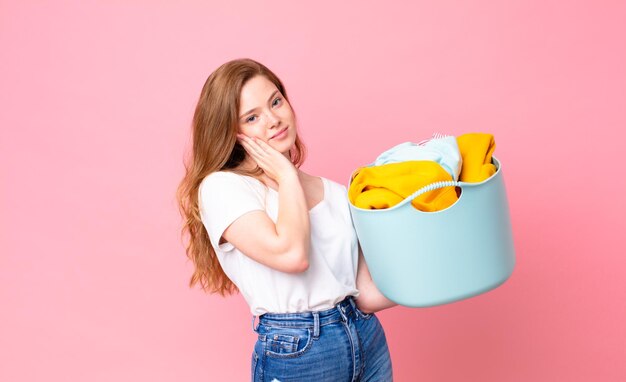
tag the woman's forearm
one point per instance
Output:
(292, 224)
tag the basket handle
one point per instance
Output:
(430, 187)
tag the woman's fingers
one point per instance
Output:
(259, 146)
(251, 146)
(263, 147)
(266, 147)
(273, 163)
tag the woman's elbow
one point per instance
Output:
(298, 262)
(290, 257)
(299, 266)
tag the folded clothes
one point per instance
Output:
(384, 186)
(476, 150)
(441, 149)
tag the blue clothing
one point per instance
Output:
(443, 150)
(338, 344)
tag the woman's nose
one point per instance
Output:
(272, 119)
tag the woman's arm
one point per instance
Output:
(283, 246)
(370, 299)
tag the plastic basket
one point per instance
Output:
(421, 259)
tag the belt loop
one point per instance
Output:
(253, 328)
(353, 303)
(342, 312)
(316, 325)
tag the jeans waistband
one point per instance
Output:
(313, 320)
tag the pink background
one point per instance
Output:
(96, 102)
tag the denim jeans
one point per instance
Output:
(338, 344)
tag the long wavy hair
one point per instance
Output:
(215, 148)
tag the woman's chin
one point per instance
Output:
(282, 146)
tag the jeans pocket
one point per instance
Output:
(283, 342)
(360, 314)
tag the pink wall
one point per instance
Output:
(96, 100)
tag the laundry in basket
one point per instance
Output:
(421, 259)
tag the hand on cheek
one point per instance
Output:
(273, 163)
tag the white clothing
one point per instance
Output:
(441, 149)
(225, 196)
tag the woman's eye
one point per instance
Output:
(251, 118)
(276, 102)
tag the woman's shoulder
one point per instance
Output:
(225, 180)
(218, 177)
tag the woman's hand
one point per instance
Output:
(273, 163)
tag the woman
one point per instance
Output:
(282, 237)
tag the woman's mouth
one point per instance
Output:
(281, 134)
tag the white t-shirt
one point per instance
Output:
(225, 196)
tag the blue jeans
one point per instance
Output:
(338, 344)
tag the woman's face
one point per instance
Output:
(265, 114)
